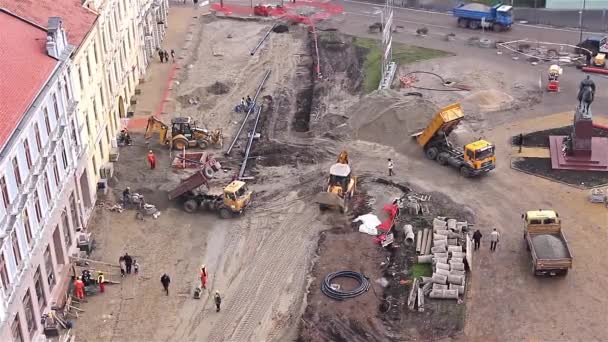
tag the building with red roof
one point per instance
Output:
(37, 164)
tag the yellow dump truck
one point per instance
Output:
(474, 159)
(549, 249)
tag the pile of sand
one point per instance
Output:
(390, 119)
(549, 246)
(490, 100)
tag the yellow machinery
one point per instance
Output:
(475, 159)
(184, 133)
(599, 60)
(340, 186)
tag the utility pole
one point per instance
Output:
(580, 21)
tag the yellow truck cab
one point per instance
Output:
(236, 196)
(546, 242)
(480, 154)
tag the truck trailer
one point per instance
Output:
(546, 242)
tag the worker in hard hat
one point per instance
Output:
(555, 72)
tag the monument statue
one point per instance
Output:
(585, 96)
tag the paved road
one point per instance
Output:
(445, 23)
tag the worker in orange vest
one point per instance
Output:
(203, 276)
(100, 281)
(152, 160)
(79, 288)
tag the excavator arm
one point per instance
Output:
(155, 124)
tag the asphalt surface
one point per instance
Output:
(445, 23)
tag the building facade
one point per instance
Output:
(39, 212)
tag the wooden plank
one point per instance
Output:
(411, 301)
(420, 300)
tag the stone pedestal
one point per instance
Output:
(582, 132)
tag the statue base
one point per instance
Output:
(595, 160)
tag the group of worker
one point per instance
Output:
(81, 282)
(203, 276)
(494, 239)
(245, 105)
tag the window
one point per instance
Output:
(64, 156)
(27, 227)
(56, 107)
(5, 198)
(101, 149)
(4, 272)
(74, 136)
(37, 134)
(56, 170)
(37, 207)
(48, 266)
(16, 329)
(47, 188)
(102, 96)
(66, 87)
(16, 171)
(67, 231)
(95, 166)
(95, 111)
(39, 290)
(103, 38)
(16, 248)
(95, 56)
(28, 154)
(80, 78)
(47, 122)
(74, 209)
(28, 308)
(89, 73)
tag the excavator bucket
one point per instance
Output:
(329, 200)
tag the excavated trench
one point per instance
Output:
(304, 92)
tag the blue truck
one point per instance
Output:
(474, 16)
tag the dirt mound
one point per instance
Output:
(218, 88)
(490, 100)
(389, 118)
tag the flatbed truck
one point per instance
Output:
(546, 242)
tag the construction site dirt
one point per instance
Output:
(268, 264)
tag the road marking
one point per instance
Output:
(449, 14)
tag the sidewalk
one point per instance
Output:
(154, 98)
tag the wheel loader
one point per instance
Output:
(341, 186)
(184, 133)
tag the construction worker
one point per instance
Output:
(79, 288)
(494, 238)
(390, 167)
(126, 197)
(203, 277)
(152, 159)
(477, 239)
(165, 280)
(100, 281)
(554, 72)
(218, 301)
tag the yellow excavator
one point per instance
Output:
(184, 133)
(340, 186)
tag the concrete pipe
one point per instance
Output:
(452, 242)
(442, 266)
(440, 255)
(425, 280)
(420, 300)
(440, 260)
(427, 287)
(459, 260)
(443, 272)
(455, 249)
(439, 224)
(459, 288)
(424, 237)
(439, 278)
(444, 294)
(442, 232)
(455, 279)
(409, 233)
(418, 241)
(458, 266)
(438, 243)
(456, 272)
(451, 224)
(440, 287)
(458, 254)
(429, 241)
(439, 249)
(424, 259)
(439, 237)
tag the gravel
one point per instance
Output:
(549, 247)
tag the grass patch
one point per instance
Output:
(402, 54)
(421, 270)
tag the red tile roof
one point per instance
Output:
(24, 69)
(78, 21)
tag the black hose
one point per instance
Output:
(339, 294)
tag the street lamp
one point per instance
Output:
(580, 20)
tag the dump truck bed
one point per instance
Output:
(444, 121)
(550, 253)
(196, 180)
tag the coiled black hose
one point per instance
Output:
(339, 294)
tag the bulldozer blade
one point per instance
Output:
(328, 199)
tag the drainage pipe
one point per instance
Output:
(600, 126)
(409, 233)
(255, 97)
(248, 149)
(418, 241)
(424, 237)
(263, 39)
